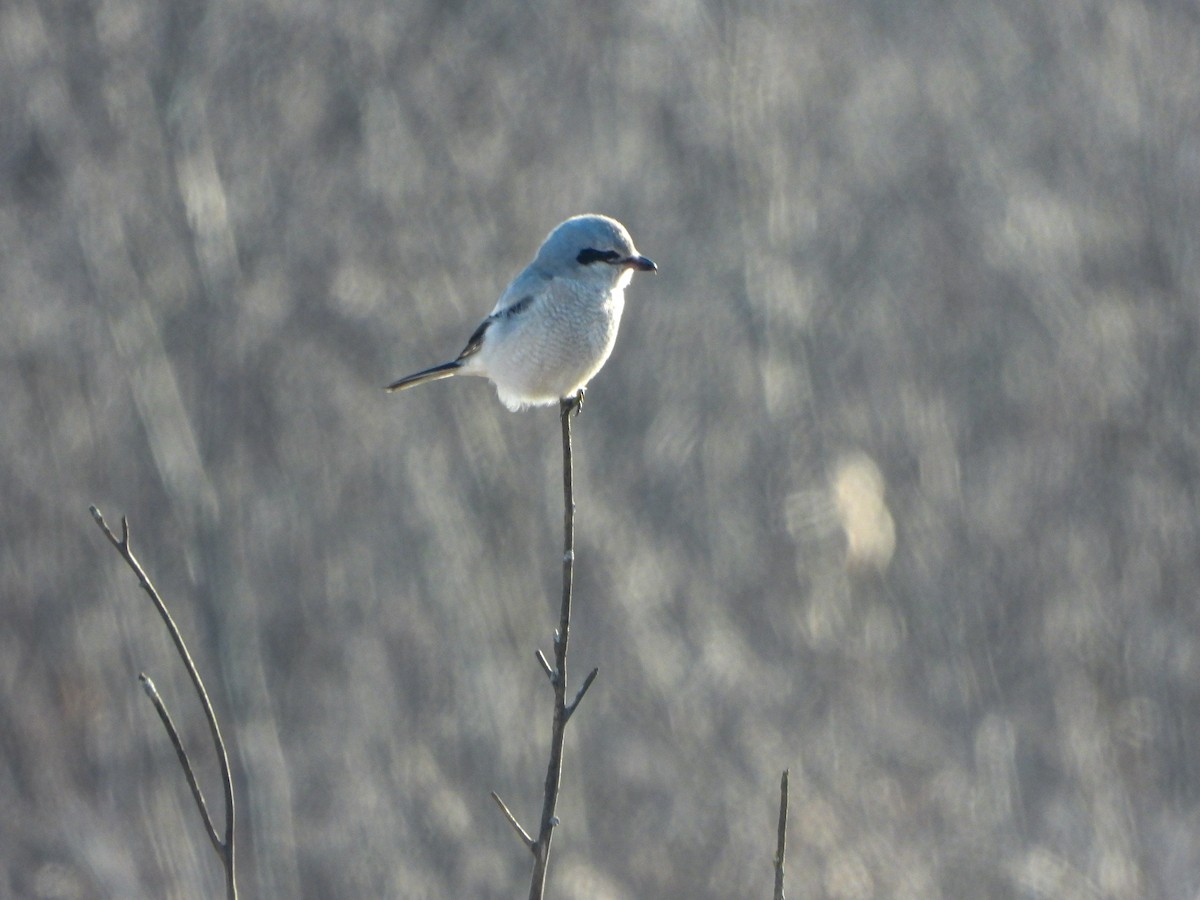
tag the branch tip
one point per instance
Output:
(541, 658)
(99, 519)
(587, 683)
(529, 842)
(781, 836)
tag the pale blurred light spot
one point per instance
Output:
(783, 384)
(932, 428)
(49, 104)
(55, 881)
(858, 488)
(1038, 232)
(265, 303)
(305, 99)
(22, 34)
(873, 122)
(575, 877)
(913, 875)
(1138, 723)
(127, 95)
(1103, 356)
(847, 878)
(722, 655)
(1075, 628)
(789, 298)
(203, 194)
(1118, 67)
(815, 822)
(672, 438)
(953, 681)
(1117, 875)
(881, 633)
(1183, 662)
(1083, 738)
(950, 86)
(118, 22)
(394, 161)
(883, 800)
(207, 210)
(1043, 874)
(359, 292)
(951, 793)
(451, 815)
(43, 323)
(809, 514)
(826, 617)
(995, 768)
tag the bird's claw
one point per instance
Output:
(575, 404)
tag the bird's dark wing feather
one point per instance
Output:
(516, 309)
(476, 339)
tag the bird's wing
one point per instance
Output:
(475, 341)
(514, 309)
(526, 287)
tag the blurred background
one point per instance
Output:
(891, 480)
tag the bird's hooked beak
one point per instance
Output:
(641, 263)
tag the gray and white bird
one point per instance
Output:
(556, 324)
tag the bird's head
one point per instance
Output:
(592, 248)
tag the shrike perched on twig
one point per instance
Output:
(555, 325)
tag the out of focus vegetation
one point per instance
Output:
(892, 479)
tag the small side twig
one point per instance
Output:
(541, 658)
(781, 835)
(224, 847)
(529, 842)
(177, 743)
(587, 683)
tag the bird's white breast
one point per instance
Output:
(553, 348)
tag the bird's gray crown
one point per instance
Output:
(584, 239)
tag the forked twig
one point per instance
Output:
(225, 847)
(540, 847)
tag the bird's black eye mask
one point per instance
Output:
(587, 256)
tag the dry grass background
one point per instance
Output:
(892, 479)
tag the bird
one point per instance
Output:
(555, 325)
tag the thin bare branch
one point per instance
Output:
(225, 848)
(781, 835)
(541, 852)
(557, 673)
(530, 843)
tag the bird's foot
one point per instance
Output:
(575, 404)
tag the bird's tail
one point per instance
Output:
(445, 370)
